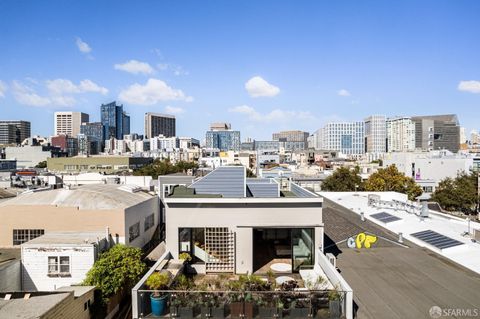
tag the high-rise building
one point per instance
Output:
(292, 140)
(222, 137)
(291, 136)
(14, 132)
(437, 132)
(159, 124)
(93, 138)
(114, 119)
(68, 123)
(66, 144)
(126, 124)
(375, 134)
(345, 137)
(400, 134)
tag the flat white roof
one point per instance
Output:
(467, 255)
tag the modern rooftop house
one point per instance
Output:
(252, 248)
(230, 223)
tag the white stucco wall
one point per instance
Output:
(242, 220)
(35, 266)
(138, 213)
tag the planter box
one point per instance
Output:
(242, 310)
(272, 312)
(213, 312)
(299, 313)
(186, 312)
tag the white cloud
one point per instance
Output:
(58, 92)
(176, 69)
(174, 110)
(83, 46)
(152, 92)
(257, 87)
(273, 116)
(3, 89)
(27, 96)
(343, 92)
(90, 86)
(62, 86)
(469, 86)
(135, 67)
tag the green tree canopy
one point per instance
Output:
(343, 179)
(42, 164)
(458, 194)
(118, 268)
(390, 179)
(164, 167)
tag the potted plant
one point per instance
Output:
(158, 281)
(185, 257)
(300, 307)
(334, 303)
(269, 306)
(213, 306)
(184, 301)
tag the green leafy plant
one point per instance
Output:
(391, 179)
(158, 281)
(185, 256)
(118, 268)
(315, 283)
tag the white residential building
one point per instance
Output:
(69, 123)
(400, 134)
(429, 168)
(59, 259)
(163, 143)
(227, 222)
(375, 134)
(345, 137)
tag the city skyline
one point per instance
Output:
(240, 63)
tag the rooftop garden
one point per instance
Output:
(185, 295)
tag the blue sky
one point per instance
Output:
(261, 65)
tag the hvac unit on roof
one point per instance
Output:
(476, 234)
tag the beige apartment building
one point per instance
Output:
(130, 214)
(99, 164)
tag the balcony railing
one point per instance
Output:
(247, 304)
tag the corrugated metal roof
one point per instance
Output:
(300, 191)
(229, 181)
(264, 190)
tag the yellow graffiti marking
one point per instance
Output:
(365, 240)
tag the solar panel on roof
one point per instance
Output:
(385, 217)
(435, 239)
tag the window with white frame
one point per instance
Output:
(133, 232)
(58, 265)
(149, 222)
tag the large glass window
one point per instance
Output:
(149, 222)
(303, 247)
(192, 241)
(133, 232)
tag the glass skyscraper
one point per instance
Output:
(116, 123)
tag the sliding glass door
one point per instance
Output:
(302, 248)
